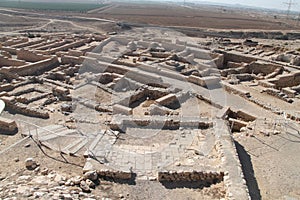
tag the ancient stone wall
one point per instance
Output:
(234, 181)
(4, 61)
(7, 125)
(23, 108)
(37, 67)
(30, 56)
(265, 68)
(236, 57)
(204, 177)
(287, 80)
(209, 81)
(25, 44)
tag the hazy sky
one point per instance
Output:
(277, 4)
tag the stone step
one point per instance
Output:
(75, 149)
(45, 130)
(93, 144)
(45, 133)
(67, 148)
(59, 134)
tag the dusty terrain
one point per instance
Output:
(201, 16)
(113, 86)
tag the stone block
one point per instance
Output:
(166, 100)
(123, 110)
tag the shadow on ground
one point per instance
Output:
(248, 171)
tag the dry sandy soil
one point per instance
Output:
(198, 16)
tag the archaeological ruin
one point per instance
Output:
(143, 105)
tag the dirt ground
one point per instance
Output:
(192, 16)
(272, 165)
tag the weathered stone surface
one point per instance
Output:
(30, 163)
(91, 175)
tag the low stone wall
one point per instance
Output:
(67, 59)
(287, 80)
(119, 175)
(6, 87)
(278, 94)
(23, 108)
(30, 56)
(32, 98)
(8, 125)
(159, 110)
(166, 100)
(236, 124)
(265, 68)
(245, 116)
(235, 90)
(75, 53)
(191, 176)
(234, 181)
(29, 43)
(92, 105)
(289, 92)
(121, 123)
(209, 81)
(123, 110)
(231, 64)
(37, 67)
(68, 46)
(104, 171)
(51, 45)
(236, 57)
(100, 57)
(4, 61)
(143, 94)
(10, 50)
(143, 77)
(266, 83)
(15, 41)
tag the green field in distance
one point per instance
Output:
(80, 7)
